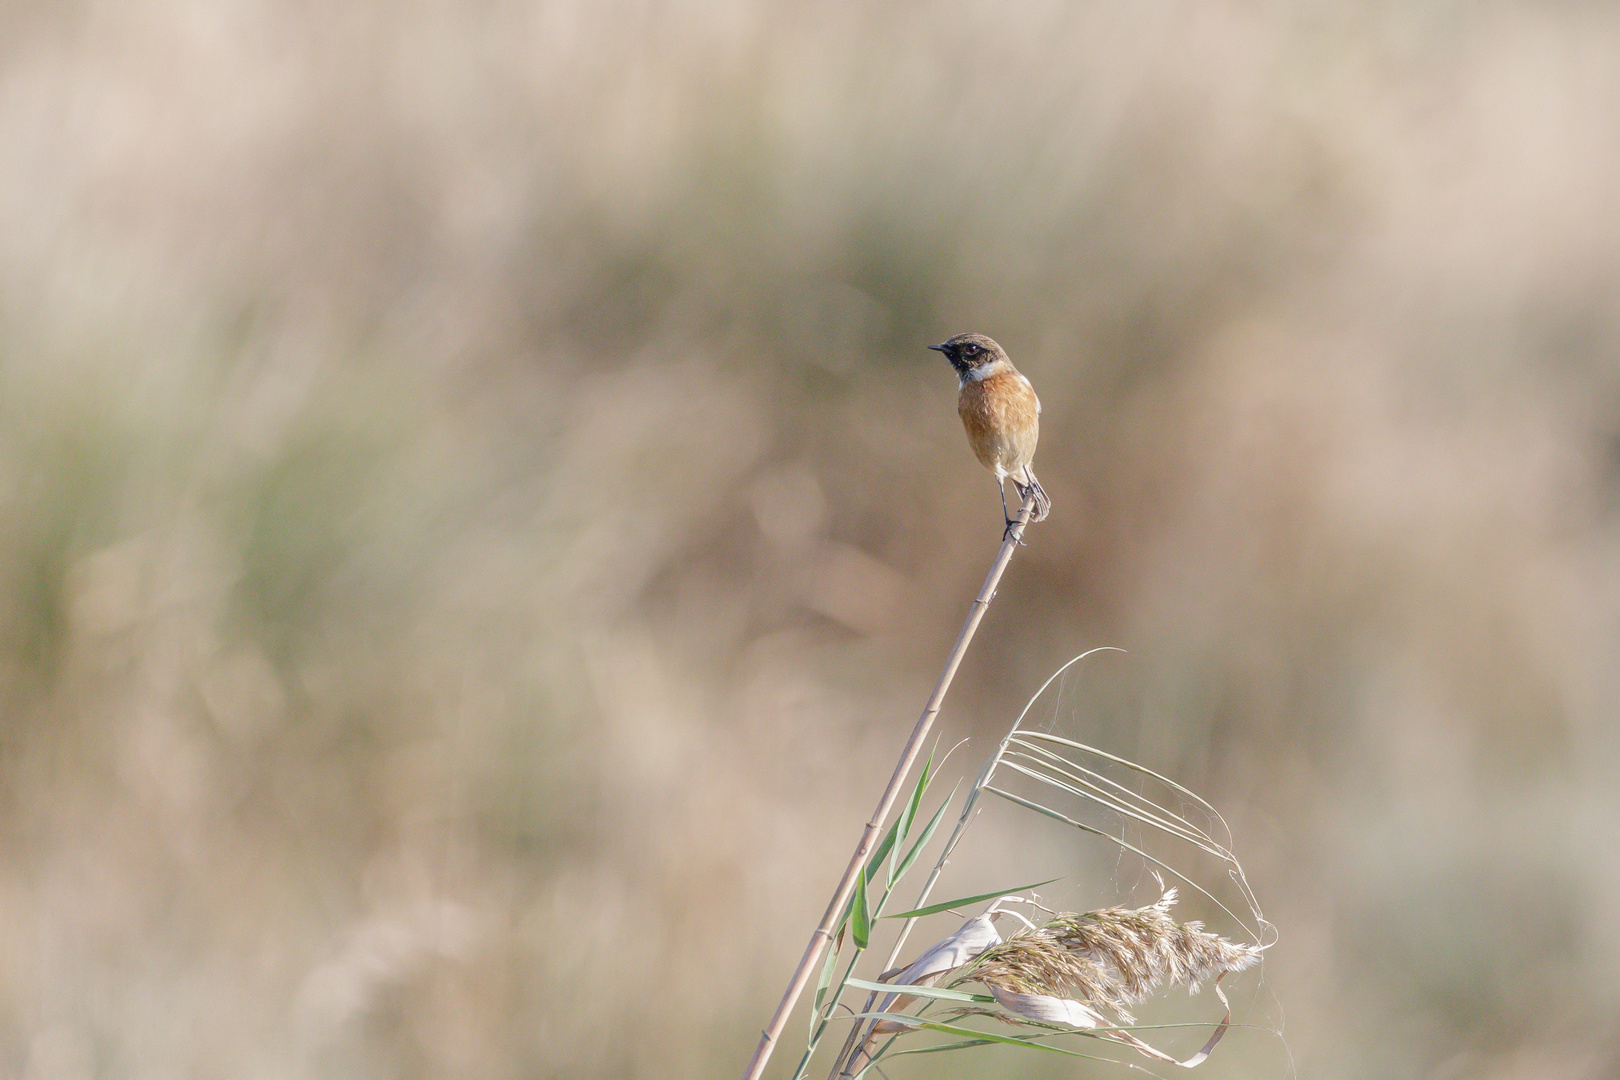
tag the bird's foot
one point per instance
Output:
(1007, 533)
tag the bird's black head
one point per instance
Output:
(969, 352)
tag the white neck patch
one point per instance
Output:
(980, 373)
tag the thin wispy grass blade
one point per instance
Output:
(934, 909)
(1126, 763)
(860, 917)
(1133, 849)
(919, 991)
(902, 865)
(823, 981)
(1197, 839)
(1117, 796)
(981, 1039)
(940, 1048)
(985, 1036)
(902, 824)
(881, 852)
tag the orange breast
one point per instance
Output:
(1002, 418)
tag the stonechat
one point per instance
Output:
(1001, 413)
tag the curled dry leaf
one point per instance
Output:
(970, 940)
(1048, 1009)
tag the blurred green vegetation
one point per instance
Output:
(477, 518)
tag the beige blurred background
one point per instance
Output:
(477, 518)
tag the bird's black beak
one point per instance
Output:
(937, 348)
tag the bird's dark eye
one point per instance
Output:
(971, 350)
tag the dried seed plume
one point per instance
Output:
(1110, 959)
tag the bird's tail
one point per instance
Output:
(1043, 505)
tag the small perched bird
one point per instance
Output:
(1001, 413)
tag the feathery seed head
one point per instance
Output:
(1111, 958)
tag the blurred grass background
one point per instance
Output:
(477, 518)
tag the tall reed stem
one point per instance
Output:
(908, 757)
